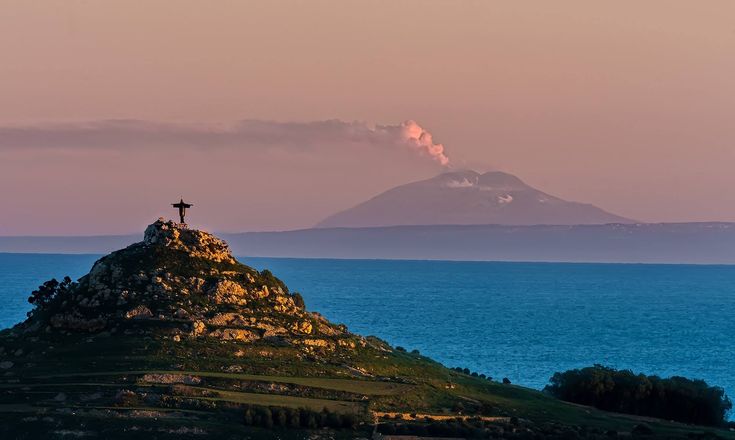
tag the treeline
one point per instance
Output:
(279, 417)
(675, 398)
(468, 372)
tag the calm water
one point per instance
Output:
(520, 320)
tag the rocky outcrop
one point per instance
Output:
(197, 244)
(189, 280)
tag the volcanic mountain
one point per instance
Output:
(173, 338)
(469, 198)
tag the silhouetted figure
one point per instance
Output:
(182, 209)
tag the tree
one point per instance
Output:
(49, 291)
(674, 398)
(280, 418)
(266, 418)
(248, 417)
(294, 418)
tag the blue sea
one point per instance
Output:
(523, 321)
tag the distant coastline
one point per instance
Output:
(686, 243)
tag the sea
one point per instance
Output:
(523, 321)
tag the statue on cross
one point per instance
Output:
(182, 209)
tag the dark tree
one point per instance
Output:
(298, 300)
(674, 398)
(49, 291)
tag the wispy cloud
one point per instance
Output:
(125, 134)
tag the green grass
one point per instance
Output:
(285, 401)
(372, 388)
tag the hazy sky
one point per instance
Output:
(627, 104)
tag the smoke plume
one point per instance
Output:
(416, 137)
(315, 135)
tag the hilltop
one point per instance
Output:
(172, 337)
(468, 198)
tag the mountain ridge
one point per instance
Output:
(467, 197)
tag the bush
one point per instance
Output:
(298, 300)
(674, 398)
(49, 292)
(272, 280)
(506, 381)
(270, 417)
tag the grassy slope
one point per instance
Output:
(80, 366)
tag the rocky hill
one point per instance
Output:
(172, 337)
(468, 198)
(189, 284)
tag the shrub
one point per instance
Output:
(506, 381)
(674, 398)
(266, 417)
(280, 418)
(49, 292)
(294, 418)
(401, 349)
(272, 280)
(298, 300)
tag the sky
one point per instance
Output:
(272, 115)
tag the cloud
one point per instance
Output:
(127, 134)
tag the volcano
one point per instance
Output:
(469, 198)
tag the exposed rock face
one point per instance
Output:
(186, 282)
(196, 243)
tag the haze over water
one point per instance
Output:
(520, 320)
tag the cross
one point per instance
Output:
(182, 209)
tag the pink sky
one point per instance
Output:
(627, 105)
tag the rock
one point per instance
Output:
(198, 328)
(139, 312)
(176, 338)
(234, 334)
(61, 397)
(262, 293)
(228, 292)
(197, 243)
(304, 327)
(346, 343)
(321, 343)
(181, 314)
(4, 365)
(228, 319)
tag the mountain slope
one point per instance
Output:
(173, 338)
(467, 197)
